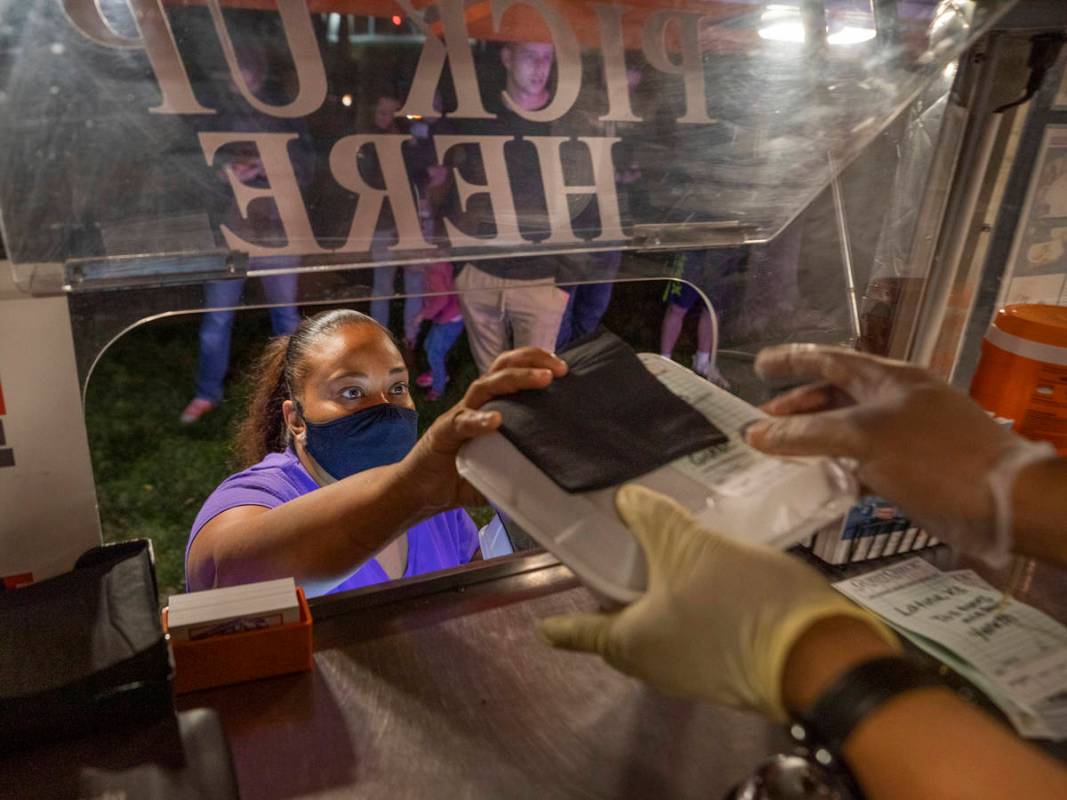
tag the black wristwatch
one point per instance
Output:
(855, 694)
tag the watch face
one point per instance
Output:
(795, 777)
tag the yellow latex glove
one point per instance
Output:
(719, 617)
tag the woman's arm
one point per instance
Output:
(322, 537)
(319, 538)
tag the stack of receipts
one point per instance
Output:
(1014, 653)
(216, 612)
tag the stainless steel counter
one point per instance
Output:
(435, 690)
(440, 687)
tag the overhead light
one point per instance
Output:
(783, 32)
(850, 34)
(783, 23)
(780, 23)
(850, 23)
(346, 100)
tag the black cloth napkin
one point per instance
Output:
(607, 421)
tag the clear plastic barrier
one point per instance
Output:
(160, 159)
(158, 141)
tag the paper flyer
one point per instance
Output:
(1013, 652)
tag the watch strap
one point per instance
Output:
(857, 693)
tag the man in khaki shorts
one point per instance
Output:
(510, 303)
(514, 302)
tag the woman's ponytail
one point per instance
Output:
(263, 429)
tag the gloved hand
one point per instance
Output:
(917, 441)
(719, 616)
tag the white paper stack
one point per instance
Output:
(217, 612)
(1014, 653)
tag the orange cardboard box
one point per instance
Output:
(245, 656)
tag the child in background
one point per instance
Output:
(441, 308)
(696, 269)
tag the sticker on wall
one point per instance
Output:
(1038, 261)
(7, 454)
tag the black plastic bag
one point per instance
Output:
(83, 650)
(607, 421)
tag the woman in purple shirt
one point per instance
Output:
(338, 493)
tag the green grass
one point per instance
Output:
(152, 473)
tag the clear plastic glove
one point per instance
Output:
(719, 617)
(916, 440)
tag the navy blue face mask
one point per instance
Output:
(376, 436)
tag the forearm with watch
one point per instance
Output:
(902, 735)
(751, 627)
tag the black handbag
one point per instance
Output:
(84, 650)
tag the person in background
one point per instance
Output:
(433, 179)
(515, 301)
(588, 301)
(337, 490)
(771, 299)
(384, 121)
(682, 296)
(752, 627)
(263, 221)
(441, 308)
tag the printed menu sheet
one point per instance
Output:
(1014, 653)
